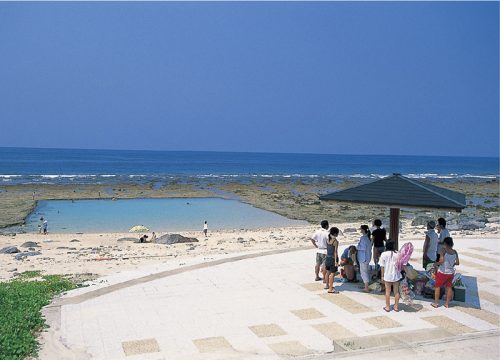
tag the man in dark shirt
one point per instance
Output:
(379, 237)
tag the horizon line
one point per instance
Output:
(245, 152)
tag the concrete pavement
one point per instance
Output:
(266, 306)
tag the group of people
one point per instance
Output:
(438, 251)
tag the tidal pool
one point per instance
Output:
(179, 214)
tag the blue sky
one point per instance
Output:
(345, 78)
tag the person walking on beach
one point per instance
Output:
(445, 271)
(319, 240)
(44, 226)
(379, 237)
(390, 275)
(365, 255)
(442, 234)
(430, 245)
(205, 228)
(332, 259)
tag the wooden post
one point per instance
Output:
(394, 230)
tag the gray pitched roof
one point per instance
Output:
(400, 191)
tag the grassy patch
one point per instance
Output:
(21, 300)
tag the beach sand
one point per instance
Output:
(100, 254)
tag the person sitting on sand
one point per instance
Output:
(348, 260)
(319, 240)
(430, 245)
(365, 255)
(153, 237)
(379, 237)
(390, 275)
(332, 259)
(143, 239)
(445, 271)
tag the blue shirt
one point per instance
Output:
(364, 249)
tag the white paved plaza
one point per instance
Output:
(264, 306)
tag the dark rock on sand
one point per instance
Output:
(22, 255)
(74, 240)
(9, 250)
(127, 239)
(421, 220)
(495, 219)
(30, 244)
(170, 239)
(471, 225)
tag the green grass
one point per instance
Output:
(21, 300)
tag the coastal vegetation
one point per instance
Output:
(21, 301)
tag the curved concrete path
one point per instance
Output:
(261, 305)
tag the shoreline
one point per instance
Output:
(102, 254)
(296, 199)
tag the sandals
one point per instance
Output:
(434, 305)
(333, 291)
(386, 309)
(318, 279)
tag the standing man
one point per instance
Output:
(319, 240)
(430, 245)
(44, 227)
(443, 233)
(379, 237)
(205, 228)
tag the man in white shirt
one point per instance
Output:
(319, 240)
(430, 245)
(443, 233)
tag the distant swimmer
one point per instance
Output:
(205, 228)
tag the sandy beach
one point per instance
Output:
(100, 254)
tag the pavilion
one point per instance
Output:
(398, 191)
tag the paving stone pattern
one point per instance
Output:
(268, 306)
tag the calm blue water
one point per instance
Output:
(20, 165)
(156, 214)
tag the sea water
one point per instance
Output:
(25, 165)
(156, 214)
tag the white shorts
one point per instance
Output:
(364, 269)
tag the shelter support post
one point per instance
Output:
(394, 227)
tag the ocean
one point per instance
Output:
(28, 165)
